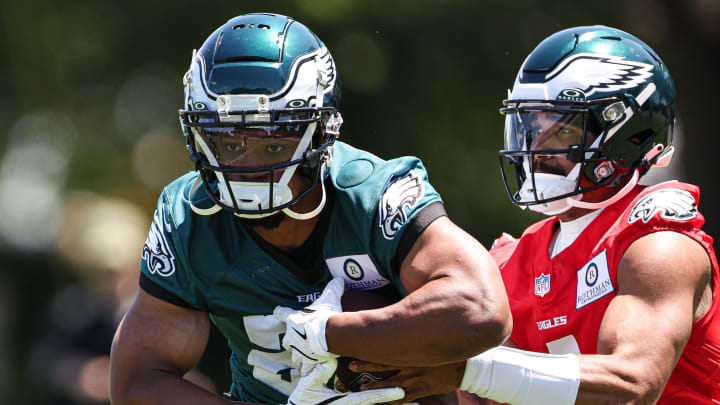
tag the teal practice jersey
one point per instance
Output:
(215, 264)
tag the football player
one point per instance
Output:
(614, 296)
(276, 222)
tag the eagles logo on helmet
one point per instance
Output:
(261, 104)
(598, 97)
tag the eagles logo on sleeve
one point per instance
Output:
(671, 203)
(400, 196)
(156, 253)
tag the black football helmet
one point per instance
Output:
(600, 98)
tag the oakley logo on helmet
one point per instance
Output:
(401, 195)
(673, 204)
(297, 103)
(156, 252)
(571, 95)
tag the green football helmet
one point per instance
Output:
(600, 98)
(261, 103)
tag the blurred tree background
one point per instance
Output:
(89, 135)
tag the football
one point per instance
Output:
(357, 301)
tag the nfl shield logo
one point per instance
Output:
(542, 285)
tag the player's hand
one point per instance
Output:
(305, 329)
(311, 390)
(417, 382)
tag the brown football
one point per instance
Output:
(357, 301)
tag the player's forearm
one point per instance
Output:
(442, 322)
(155, 387)
(517, 377)
(610, 379)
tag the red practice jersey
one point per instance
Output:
(558, 304)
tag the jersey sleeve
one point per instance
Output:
(165, 273)
(407, 204)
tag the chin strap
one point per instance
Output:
(630, 184)
(200, 211)
(612, 200)
(316, 211)
(292, 214)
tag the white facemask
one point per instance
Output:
(548, 186)
(255, 195)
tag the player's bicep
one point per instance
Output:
(652, 315)
(445, 250)
(157, 336)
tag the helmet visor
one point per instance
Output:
(253, 148)
(545, 131)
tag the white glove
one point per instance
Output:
(311, 390)
(305, 329)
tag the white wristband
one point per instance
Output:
(520, 377)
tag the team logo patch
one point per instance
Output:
(671, 203)
(156, 252)
(542, 285)
(358, 271)
(400, 196)
(593, 281)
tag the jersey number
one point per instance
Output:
(564, 345)
(272, 365)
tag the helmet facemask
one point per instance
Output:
(549, 146)
(577, 131)
(248, 156)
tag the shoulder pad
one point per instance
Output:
(351, 167)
